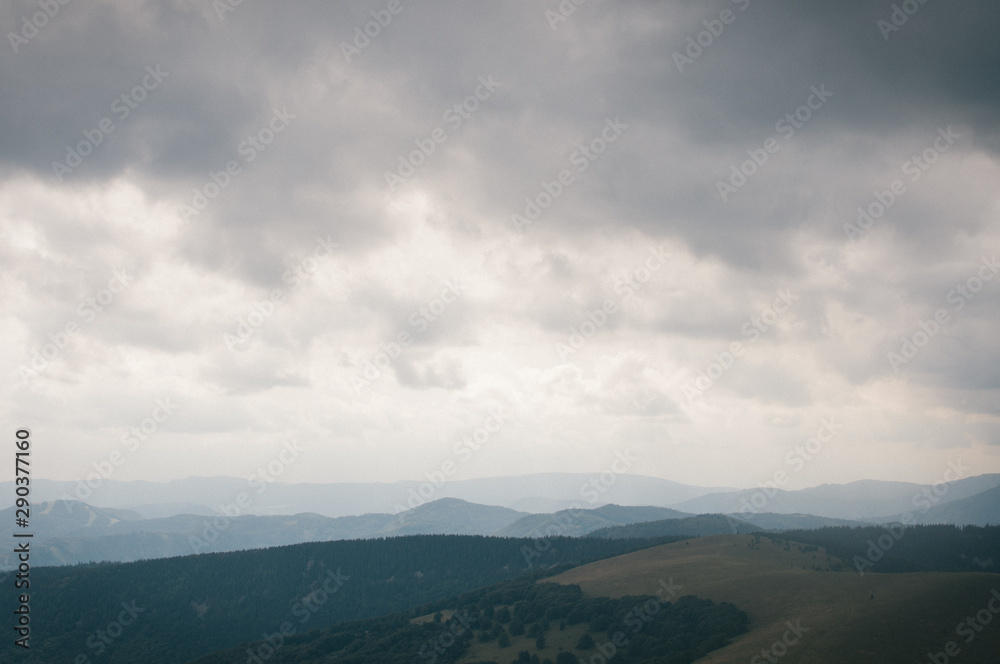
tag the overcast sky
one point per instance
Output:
(563, 231)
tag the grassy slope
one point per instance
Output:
(910, 614)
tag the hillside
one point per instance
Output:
(70, 532)
(843, 616)
(520, 620)
(913, 549)
(865, 499)
(694, 526)
(981, 509)
(193, 605)
(451, 516)
(577, 522)
(772, 521)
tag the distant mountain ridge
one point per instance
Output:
(862, 500)
(981, 509)
(578, 522)
(542, 492)
(70, 532)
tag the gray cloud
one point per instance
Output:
(251, 140)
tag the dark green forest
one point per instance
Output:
(188, 606)
(647, 629)
(695, 526)
(888, 549)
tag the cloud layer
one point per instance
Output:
(687, 230)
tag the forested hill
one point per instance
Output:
(189, 606)
(519, 621)
(694, 526)
(913, 549)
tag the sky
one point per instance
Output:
(411, 239)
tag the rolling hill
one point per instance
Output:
(692, 526)
(193, 605)
(577, 522)
(788, 592)
(70, 532)
(865, 499)
(982, 509)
